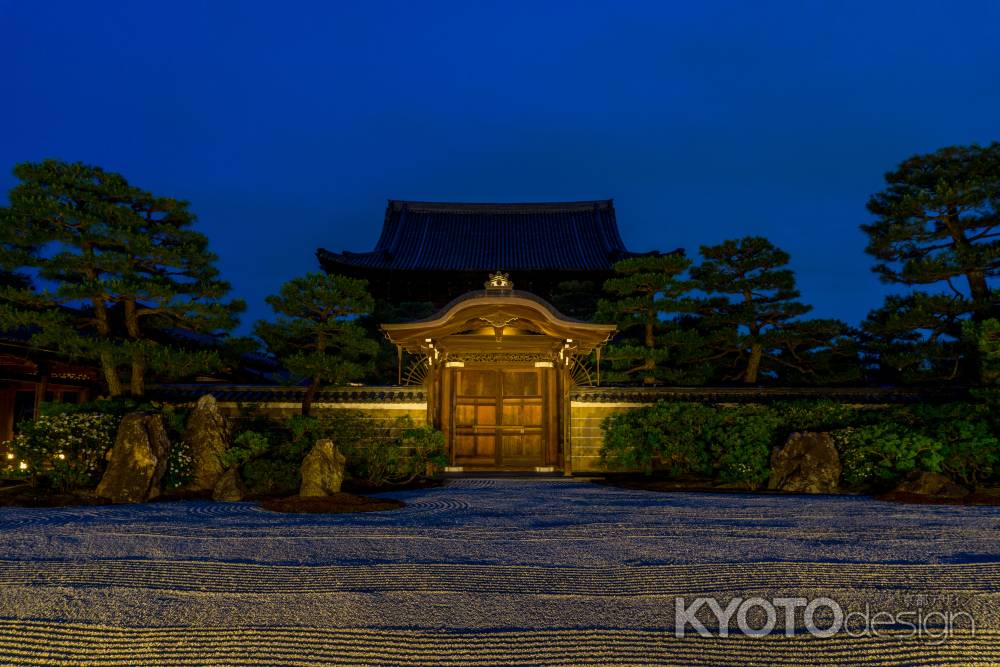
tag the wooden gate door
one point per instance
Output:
(522, 430)
(475, 417)
(498, 418)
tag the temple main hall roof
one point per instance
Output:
(433, 236)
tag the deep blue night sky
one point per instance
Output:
(287, 125)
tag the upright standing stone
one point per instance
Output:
(322, 470)
(138, 460)
(207, 435)
(806, 463)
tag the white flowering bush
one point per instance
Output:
(180, 465)
(66, 450)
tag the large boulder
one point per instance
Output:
(322, 470)
(806, 463)
(920, 483)
(230, 487)
(207, 435)
(138, 460)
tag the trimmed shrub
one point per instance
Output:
(956, 439)
(270, 452)
(877, 446)
(821, 415)
(731, 443)
(741, 444)
(422, 448)
(970, 448)
(881, 454)
(387, 452)
(665, 436)
(378, 451)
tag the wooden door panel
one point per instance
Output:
(465, 415)
(478, 383)
(522, 408)
(522, 413)
(476, 414)
(475, 446)
(498, 417)
(464, 444)
(511, 413)
(486, 415)
(521, 383)
(522, 447)
(475, 417)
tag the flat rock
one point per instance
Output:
(923, 483)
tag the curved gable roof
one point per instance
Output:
(498, 310)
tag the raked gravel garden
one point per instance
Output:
(491, 572)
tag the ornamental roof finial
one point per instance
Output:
(499, 283)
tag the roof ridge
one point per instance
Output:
(511, 207)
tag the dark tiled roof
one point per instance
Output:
(860, 395)
(487, 237)
(285, 394)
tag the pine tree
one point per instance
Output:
(753, 313)
(317, 334)
(650, 347)
(126, 271)
(938, 222)
(917, 337)
(937, 225)
(818, 351)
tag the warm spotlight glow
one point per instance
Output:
(10, 456)
(61, 456)
(23, 466)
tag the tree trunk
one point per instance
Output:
(979, 290)
(108, 366)
(981, 299)
(137, 384)
(753, 365)
(310, 394)
(111, 374)
(138, 380)
(649, 366)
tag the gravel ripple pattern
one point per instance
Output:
(487, 572)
